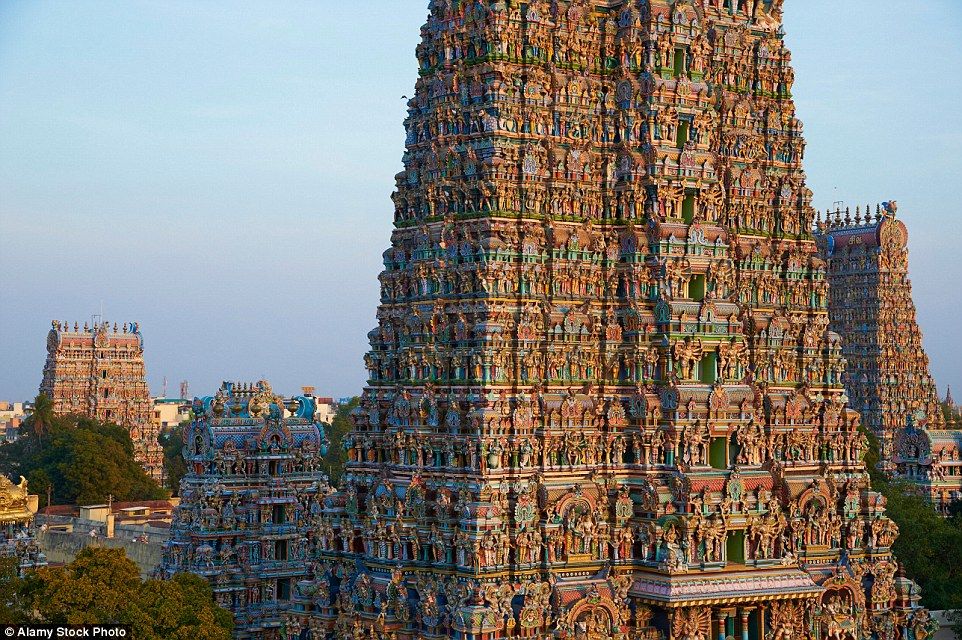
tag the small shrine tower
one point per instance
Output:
(251, 499)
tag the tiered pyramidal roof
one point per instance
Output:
(604, 401)
(872, 307)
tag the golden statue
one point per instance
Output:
(16, 504)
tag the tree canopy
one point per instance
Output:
(336, 458)
(175, 467)
(103, 586)
(83, 460)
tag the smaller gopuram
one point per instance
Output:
(17, 510)
(98, 371)
(887, 372)
(870, 305)
(932, 459)
(250, 502)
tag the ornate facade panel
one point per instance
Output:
(99, 372)
(251, 499)
(932, 459)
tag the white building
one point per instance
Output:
(12, 415)
(170, 412)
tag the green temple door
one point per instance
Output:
(717, 454)
(679, 62)
(736, 547)
(754, 625)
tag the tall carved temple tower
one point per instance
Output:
(251, 499)
(887, 375)
(604, 401)
(98, 371)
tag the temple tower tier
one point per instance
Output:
(887, 370)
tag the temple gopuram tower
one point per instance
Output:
(604, 399)
(871, 307)
(887, 376)
(248, 520)
(98, 371)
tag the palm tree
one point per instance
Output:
(42, 417)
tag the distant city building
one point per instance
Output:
(154, 513)
(326, 407)
(12, 415)
(98, 371)
(170, 412)
(326, 410)
(251, 500)
(17, 511)
(139, 528)
(887, 373)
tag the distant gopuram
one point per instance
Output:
(98, 371)
(887, 374)
(604, 401)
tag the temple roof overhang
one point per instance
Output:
(681, 590)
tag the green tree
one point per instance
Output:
(103, 586)
(41, 419)
(83, 460)
(175, 467)
(336, 458)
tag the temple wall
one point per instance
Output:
(62, 547)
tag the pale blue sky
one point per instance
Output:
(221, 171)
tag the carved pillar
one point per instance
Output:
(745, 613)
